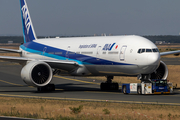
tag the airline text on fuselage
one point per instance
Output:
(88, 46)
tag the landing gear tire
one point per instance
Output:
(47, 88)
(103, 86)
(124, 90)
(139, 90)
(109, 86)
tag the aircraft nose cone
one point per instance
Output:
(153, 59)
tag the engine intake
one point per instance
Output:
(37, 74)
(161, 72)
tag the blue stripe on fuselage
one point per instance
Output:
(60, 54)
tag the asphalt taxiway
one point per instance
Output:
(73, 88)
(171, 61)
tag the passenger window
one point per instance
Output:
(148, 50)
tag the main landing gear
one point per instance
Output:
(108, 85)
(146, 78)
(47, 88)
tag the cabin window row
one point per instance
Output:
(84, 52)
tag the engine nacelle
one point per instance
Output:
(36, 73)
(161, 72)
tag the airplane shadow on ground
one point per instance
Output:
(60, 88)
(69, 87)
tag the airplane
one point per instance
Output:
(128, 55)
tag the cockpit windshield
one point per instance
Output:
(148, 50)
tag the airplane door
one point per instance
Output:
(122, 53)
(98, 52)
(67, 53)
(44, 50)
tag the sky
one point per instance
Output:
(89, 17)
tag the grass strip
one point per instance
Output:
(81, 110)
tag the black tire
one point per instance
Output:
(47, 88)
(124, 90)
(38, 89)
(103, 86)
(115, 86)
(109, 86)
(139, 90)
(50, 87)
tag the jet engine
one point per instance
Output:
(37, 73)
(161, 72)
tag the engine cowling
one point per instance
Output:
(161, 72)
(36, 73)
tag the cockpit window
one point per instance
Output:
(155, 50)
(148, 50)
(139, 51)
(143, 50)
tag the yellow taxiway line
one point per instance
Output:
(10, 83)
(104, 92)
(76, 80)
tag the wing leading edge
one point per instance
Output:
(10, 50)
(59, 64)
(170, 53)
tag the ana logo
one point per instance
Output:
(26, 18)
(108, 46)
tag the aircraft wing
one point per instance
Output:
(14, 59)
(59, 64)
(10, 50)
(170, 52)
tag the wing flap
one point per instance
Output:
(14, 59)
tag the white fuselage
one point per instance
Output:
(104, 55)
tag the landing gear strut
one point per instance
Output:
(146, 78)
(108, 85)
(49, 87)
